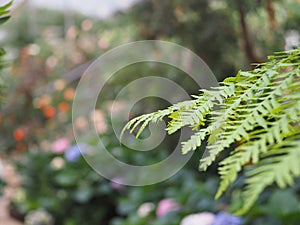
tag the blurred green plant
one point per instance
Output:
(66, 187)
(71, 193)
(140, 204)
(257, 112)
(40, 61)
(250, 30)
(4, 11)
(2, 184)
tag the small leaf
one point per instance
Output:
(4, 19)
(6, 6)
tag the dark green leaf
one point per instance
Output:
(4, 19)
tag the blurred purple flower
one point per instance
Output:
(228, 219)
(117, 183)
(74, 152)
(165, 206)
(60, 145)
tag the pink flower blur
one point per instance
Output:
(165, 206)
(117, 183)
(60, 145)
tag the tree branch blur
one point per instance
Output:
(248, 46)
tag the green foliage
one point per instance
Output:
(4, 10)
(258, 112)
(68, 190)
(196, 195)
(197, 24)
(3, 18)
(2, 185)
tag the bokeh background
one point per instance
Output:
(49, 44)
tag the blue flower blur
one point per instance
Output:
(74, 152)
(223, 218)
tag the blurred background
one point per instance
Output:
(49, 44)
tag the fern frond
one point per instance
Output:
(156, 116)
(249, 152)
(145, 120)
(195, 141)
(195, 115)
(257, 111)
(244, 118)
(280, 165)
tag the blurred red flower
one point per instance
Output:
(63, 107)
(49, 112)
(19, 134)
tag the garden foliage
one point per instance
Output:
(4, 10)
(3, 18)
(256, 112)
(56, 180)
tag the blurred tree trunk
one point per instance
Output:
(271, 13)
(248, 46)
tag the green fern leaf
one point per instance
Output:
(257, 111)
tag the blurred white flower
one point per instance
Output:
(117, 108)
(98, 119)
(72, 33)
(81, 123)
(292, 39)
(57, 163)
(86, 43)
(145, 209)
(204, 218)
(34, 49)
(20, 196)
(39, 217)
(103, 43)
(51, 62)
(59, 84)
(86, 25)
